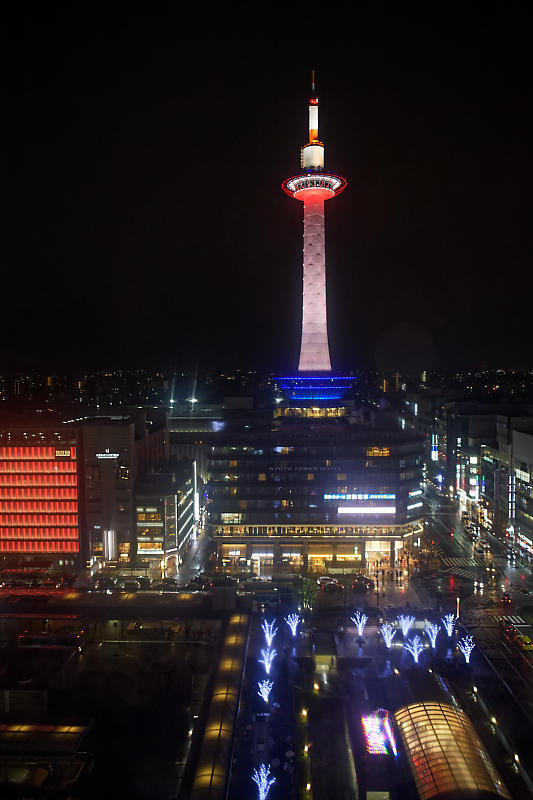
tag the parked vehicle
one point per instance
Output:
(222, 580)
(128, 585)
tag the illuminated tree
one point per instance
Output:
(406, 624)
(293, 620)
(359, 620)
(306, 590)
(268, 657)
(388, 633)
(449, 623)
(263, 689)
(270, 631)
(466, 645)
(414, 647)
(261, 777)
(432, 631)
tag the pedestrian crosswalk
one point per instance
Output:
(468, 573)
(476, 601)
(472, 561)
(514, 619)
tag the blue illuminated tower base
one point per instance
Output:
(314, 388)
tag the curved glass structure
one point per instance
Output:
(445, 754)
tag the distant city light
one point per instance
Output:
(432, 631)
(388, 633)
(293, 620)
(414, 647)
(264, 688)
(263, 780)
(268, 657)
(406, 624)
(466, 645)
(359, 619)
(270, 631)
(449, 623)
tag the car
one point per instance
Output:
(143, 581)
(479, 584)
(332, 586)
(524, 643)
(162, 586)
(222, 580)
(197, 584)
(509, 631)
(128, 585)
(323, 579)
(103, 584)
(362, 584)
(506, 600)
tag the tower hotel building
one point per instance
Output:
(318, 483)
(39, 493)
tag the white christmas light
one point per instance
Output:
(388, 633)
(406, 624)
(263, 689)
(263, 780)
(449, 623)
(293, 620)
(270, 631)
(267, 659)
(414, 647)
(432, 631)
(466, 645)
(359, 620)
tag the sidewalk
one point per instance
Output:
(194, 559)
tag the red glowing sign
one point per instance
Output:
(39, 499)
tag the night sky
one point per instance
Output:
(145, 151)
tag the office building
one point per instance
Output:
(117, 451)
(166, 508)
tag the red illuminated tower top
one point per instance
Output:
(313, 176)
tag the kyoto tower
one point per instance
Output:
(313, 185)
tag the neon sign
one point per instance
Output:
(379, 736)
(359, 497)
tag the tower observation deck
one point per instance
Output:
(313, 185)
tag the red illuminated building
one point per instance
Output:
(39, 493)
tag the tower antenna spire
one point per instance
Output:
(312, 80)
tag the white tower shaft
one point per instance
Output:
(314, 350)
